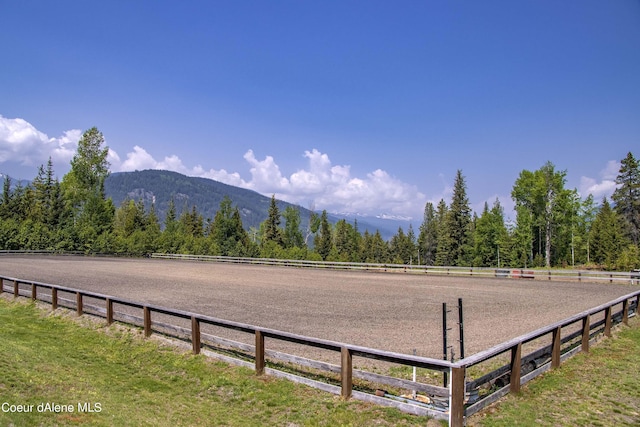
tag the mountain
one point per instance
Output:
(14, 182)
(159, 187)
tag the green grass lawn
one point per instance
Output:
(126, 380)
(601, 388)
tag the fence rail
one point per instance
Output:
(455, 402)
(632, 277)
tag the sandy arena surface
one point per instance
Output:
(390, 311)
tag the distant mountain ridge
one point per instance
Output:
(160, 186)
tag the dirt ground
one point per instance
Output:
(389, 311)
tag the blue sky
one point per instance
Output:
(352, 106)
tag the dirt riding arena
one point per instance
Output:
(388, 311)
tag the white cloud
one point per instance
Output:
(265, 174)
(333, 188)
(22, 143)
(319, 183)
(605, 186)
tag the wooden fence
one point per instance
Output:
(632, 277)
(623, 277)
(461, 398)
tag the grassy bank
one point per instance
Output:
(107, 376)
(601, 388)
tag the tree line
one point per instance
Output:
(554, 226)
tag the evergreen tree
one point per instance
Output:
(458, 223)
(490, 236)
(428, 237)
(323, 242)
(170, 219)
(607, 239)
(627, 197)
(343, 239)
(272, 231)
(192, 223)
(374, 248)
(227, 232)
(444, 255)
(43, 188)
(7, 197)
(484, 255)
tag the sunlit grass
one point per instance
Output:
(601, 388)
(130, 381)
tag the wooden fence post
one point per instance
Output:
(456, 397)
(54, 298)
(516, 363)
(346, 372)
(195, 335)
(625, 312)
(259, 353)
(607, 322)
(79, 303)
(34, 292)
(109, 311)
(16, 289)
(555, 349)
(586, 331)
(147, 321)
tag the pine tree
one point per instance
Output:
(227, 232)
(607, 239)
(343, 238)
(459, 223)
(272, 231)
(428, 236)
(170, 219)
(627, 197)
(490, 235)
(323, 242)
(443, 251)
